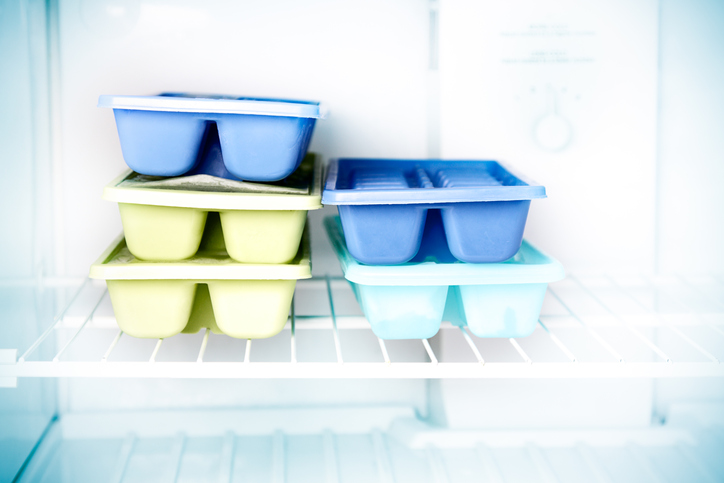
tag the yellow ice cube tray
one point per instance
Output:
(209, 290)
(164, 218)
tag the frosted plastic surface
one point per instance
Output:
(410, 301)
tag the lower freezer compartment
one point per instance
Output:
(385, 444)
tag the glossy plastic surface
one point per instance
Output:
(168, 135)
(383, 205)
(159, 300)
(167, 223)
(410, 301)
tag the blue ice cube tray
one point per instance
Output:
(166, 135)
(410, 301)
(384, 203)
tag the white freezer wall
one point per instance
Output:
(566, 93)
(25, 237)
(366, 60)
(690, 197)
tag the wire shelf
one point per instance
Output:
(386, 445)
(593, 326)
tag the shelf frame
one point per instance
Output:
(431, 365)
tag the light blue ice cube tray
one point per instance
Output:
(410, 301)
(166, 135)
(383, 205)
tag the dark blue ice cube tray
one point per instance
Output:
(383, 205)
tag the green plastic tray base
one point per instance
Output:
(257, 224)
(245, 309)
(210, 290)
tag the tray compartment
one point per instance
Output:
(485, 232)
(251, 309)
(256, 236)
(263, 148)
(159, 143)
(383, 235)
(162, 233)
(152, 308)
(402, 312)
(505, 310)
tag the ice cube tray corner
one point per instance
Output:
(169, 224)
(383, 205)
(261, 139)
(411, 300)
(159, 300)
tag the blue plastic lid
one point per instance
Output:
(434, 265)
(177, 102)
(387, 181)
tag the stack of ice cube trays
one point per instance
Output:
(214, 209)
(422, 241)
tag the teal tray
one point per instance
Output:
(410, 301)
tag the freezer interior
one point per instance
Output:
(614, 107)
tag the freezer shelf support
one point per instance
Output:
(412, 359)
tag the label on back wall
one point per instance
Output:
(566, 93)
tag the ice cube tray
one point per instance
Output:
(159, 300)
(410, 301)
(258, 223)
(383, 205)
(261, 139)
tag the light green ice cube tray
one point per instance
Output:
(260, 223)
(209, 290)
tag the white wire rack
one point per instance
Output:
(239, 445)
(602, 326)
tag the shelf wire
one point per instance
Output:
(645, 462)
(293, 340)
(55, 323)
(623, 322)
(226, 463)
(666, 323)
(520, 351)
(437, 465)
(337, 345)
(472, 345)
(279, 471)
(558, 342)
(382, 455)
(590, 329)
(686, 304)
(177, 452)
(82, 326)
(542, 465)
(593, 463)
(204, 343)
(489, 463)
(247, 352)
(331, 460)
(124, 456)
(113, 345)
